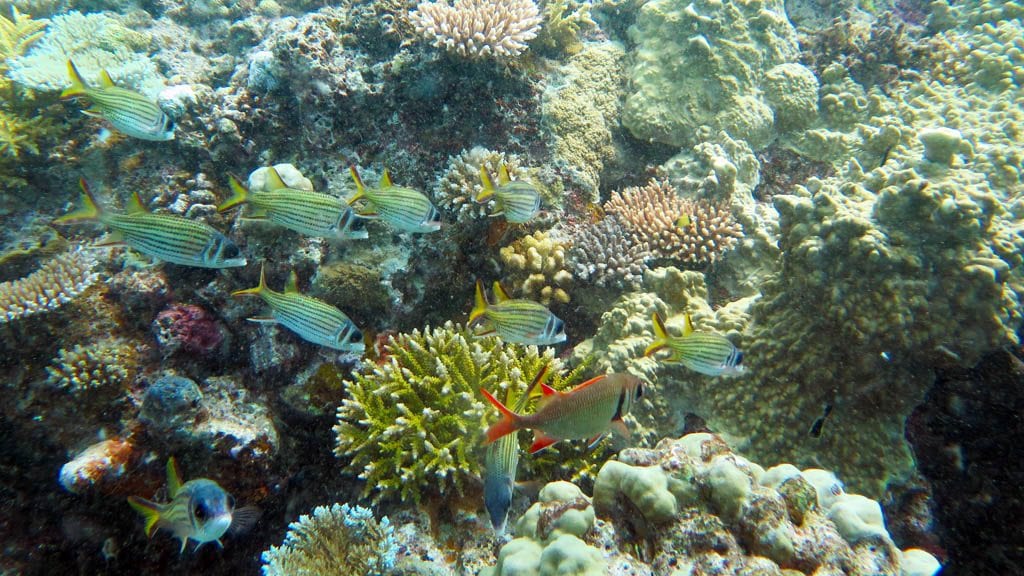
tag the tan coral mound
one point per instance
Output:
(56, 283)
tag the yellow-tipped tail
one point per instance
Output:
(240, 194)
(660, 335)
(257, 290)
(360, 189)
(77, 87)
(150, 512)
(488, 185)
(90, 210)
(173, 477)
(479, 303)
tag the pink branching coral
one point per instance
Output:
(478, 28)
(653, 214)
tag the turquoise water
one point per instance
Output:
(795, 225)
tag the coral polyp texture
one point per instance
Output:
(413, 426)
(674, 228)
(54, 284)
(106, 366)
(459, 185)
(336, 540)
(535, 268)
(478, 28)
(604, 255)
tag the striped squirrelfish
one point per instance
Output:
(704, 352)
(517, 321)
(404, 208)
(199, 510)
(306, 212)
(517, 200)
(500, 463)
(586, 411)
(128, 111)
(313, 320)
(164, 237)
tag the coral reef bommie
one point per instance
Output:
(478, 28)
(54, 284)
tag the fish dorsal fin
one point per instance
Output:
(537, 380)
(105, 80)
(360, 188)
(135, 205)
(385, 180)
(173, 477)
(593, 380)
(500, 295)
(688, 326)
(292, 285)
(274, 181)
(547, 390)
(503, 177)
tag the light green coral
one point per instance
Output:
(18, 132)
(564, 23)
(698, 66)
(413, 426)
(95, 42)
(582, 111)
(57, 282)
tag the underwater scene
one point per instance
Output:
(511, 287)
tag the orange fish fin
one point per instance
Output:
(660, 335)
(688, 327)
(274, 180)
(479, 304)
(503, 177)
(487, 184)
(541, 441)
(135, 205)
(360, 188)
(78, 86)
(105, 80)
(548, 390)
(507, 425)
(593, 380)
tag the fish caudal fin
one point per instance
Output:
(90, 210)
(360, 188)
(258, 289)
(240, 194)
(150, 512)
(77, 87)
(479, 304)
(660, 335)
(488, 186)
(507, 425)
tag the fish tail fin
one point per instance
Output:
(77, 87)
(150, 512)
(173, 477)
(660, 335)
(479, 303)
(90, 209)
(360, 188)
(509, 423)
(258, 289)
(240, 194)
(488, 185)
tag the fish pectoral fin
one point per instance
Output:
(263, 319)
(110, 240)
(184, 543)
(496, 214)
(540, 442)
(92, 113)
(593, 442)
(620, 428)
(547, 390)
(485, 329)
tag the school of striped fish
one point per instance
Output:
(200, 510)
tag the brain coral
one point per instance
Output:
(700, 64)
(478, 28)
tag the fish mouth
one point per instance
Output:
(234, 262)
(214, 528)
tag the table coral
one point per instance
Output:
(700, 64)
(55, 283)
(535, 268)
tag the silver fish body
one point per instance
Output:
(175, 239)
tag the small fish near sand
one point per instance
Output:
(500, 464)
(304, 211)
(164, 237)
(128, 111)
(403, 208)
(588, 411)
(516, 321)
(311, 319)
(199, 510)
(704, 352)
(518, 201)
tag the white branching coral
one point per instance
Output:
(49, 287)
(478, 28)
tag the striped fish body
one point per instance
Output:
(521, 321)
(518, 201)
(175, 239)
(404, 208)
(586, 411)
(707, 353)
(308, 213)
(314, 320)
(130, 113)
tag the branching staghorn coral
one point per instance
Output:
(564, 20)
(339, 540)
(535, 268)
(16, 132)
(460, 183)
(604, 254)
(53, 285)
(106, 366)
(478, 28)
(675, 228)
(413, 426)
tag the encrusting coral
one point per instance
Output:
(336, 540)
(478, 28)
(54, 284)
(535, 268)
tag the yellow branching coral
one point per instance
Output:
(105, 368)
(16, 34)
(54, 284)
(535, 268)
(414, 426)
(564, 20)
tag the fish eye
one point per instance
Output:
(231, 250)
(355, 336)
(198, 512)
(639, 391)
(169, 124)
